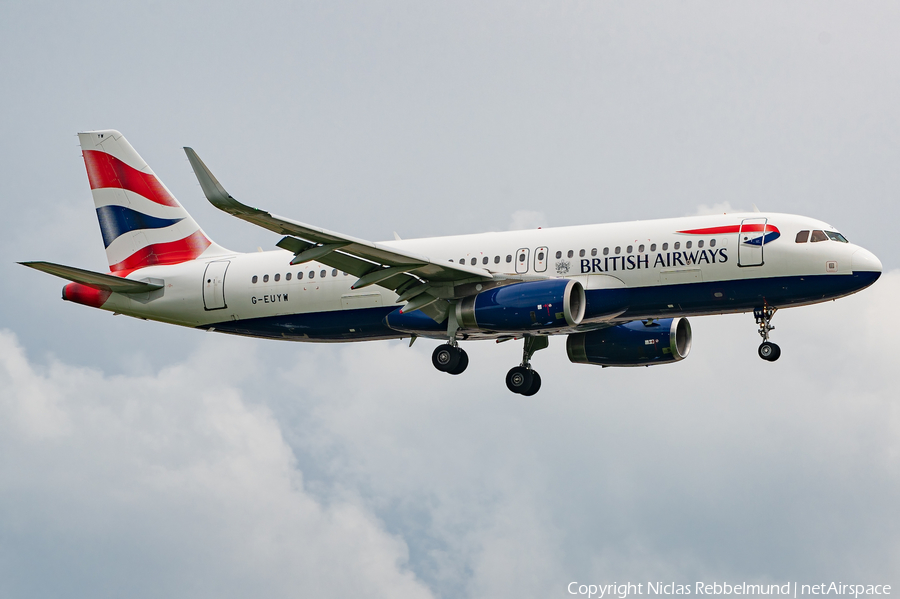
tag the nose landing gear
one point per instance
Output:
(522, 379)
(767, 350)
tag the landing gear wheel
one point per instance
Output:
(446, 358)
(463, 361)
(535, 384)
(769, 351)
(519, 379)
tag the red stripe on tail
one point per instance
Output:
(104, 170)
(173, 252)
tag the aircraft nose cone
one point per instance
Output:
(865, 261)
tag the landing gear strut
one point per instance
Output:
(450, 357)
(522, 379)
(767, 350)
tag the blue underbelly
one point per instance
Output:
(337, 325)
(739, 295)
(640, 302)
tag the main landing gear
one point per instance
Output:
(450, 358)
(767, 350)
(522, 379)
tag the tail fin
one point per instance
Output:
(141, 221)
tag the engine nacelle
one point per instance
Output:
(552, 303)
(632, 344)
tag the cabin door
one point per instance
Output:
(751, 242)
(214, 285)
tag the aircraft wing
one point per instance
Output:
(406, 273)
(96, 280)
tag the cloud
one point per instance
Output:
(169, 485)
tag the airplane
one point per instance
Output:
(621, 293)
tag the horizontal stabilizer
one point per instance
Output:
(96, 280)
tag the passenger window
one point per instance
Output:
(474, 261)
(322, 274)
(665, 246)
(618, 249)
(594, 252)
(677, 245)
(570, 253)
(689, 244)
(287, 276)
(606, 251)
(700, 244)
(484, 260)
(254, 279)
(628, 249)
(712, 243)
(508, 258)
(334, 273)
(265, 278)
(312, 274)
(462, 260)
(818, 236)
(641, 249)
(541, 256)
(496, 259)
(277, 277)
(521, 257)
(581, 254)
(802, 237)
(652, 247)
(299, 275)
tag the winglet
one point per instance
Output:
(212, 189)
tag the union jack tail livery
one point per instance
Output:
(141, 221)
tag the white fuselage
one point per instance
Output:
(666, 271)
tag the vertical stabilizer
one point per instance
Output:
(141, 222)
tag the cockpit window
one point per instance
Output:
(818, 236)
(802, 236)
(835, 236)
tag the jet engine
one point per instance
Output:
(638, 343)
(552, 303)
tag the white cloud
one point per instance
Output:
(169, 485)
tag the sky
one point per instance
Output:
(144, 460)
